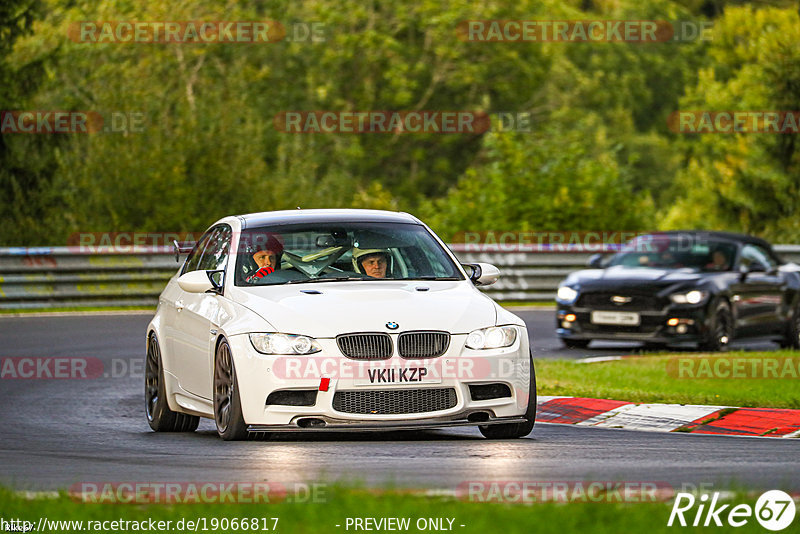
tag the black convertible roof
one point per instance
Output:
(727, 236)
(278, 218)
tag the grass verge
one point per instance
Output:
(659, 379)
(340, 504)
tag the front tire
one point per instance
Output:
(720, 330)
(516, 430)
(791, 339)
(227, 405)
(159, 416)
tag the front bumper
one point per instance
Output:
(655, 326)
(258, 375)
(357, 426)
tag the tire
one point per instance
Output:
(791, 337)
(516, 430)
(575, 343)
(227, 405)
(720, 330)
(159, 416)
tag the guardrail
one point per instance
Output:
(47, 277)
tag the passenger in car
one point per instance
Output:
(372, 262)
(719, 261)
(267, 258)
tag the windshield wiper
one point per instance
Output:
(447, 278)
(336, 279)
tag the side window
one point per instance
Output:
(216, 252)
(193, 260)
(753, 254)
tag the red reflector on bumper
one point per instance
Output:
(324, 383)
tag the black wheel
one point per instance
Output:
(720, 328)
(227, 406)
(791, 338)
(516, 430)
(575, 343)
(159, 416)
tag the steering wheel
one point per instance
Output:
(314, 263)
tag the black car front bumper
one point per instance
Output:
(671, 324)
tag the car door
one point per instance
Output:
(196, 320)
(759, 291)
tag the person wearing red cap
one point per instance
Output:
(267, 258)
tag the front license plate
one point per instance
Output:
(397, 375)
(618, 318)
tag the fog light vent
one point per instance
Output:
(480, 392)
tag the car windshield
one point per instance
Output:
(327, 252)
(692, 252)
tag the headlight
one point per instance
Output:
(494, 337)
(284, 344)
(566, 294)
(692, 297)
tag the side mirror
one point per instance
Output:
(595, 261)
(483, 274)
(182, 247)
(196, 282)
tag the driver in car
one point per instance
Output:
(372, 262)
(267, 258)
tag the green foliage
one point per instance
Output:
(599, 155)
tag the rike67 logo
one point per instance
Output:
(774, 510)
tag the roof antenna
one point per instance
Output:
(298, 207)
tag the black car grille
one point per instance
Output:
(365, 346)
(602, 301)
(423, 344)
(394, 401)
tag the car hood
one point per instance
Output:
(631, 278)
(327, 309)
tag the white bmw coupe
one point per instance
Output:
(311, 320)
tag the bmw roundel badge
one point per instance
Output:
(392, 325)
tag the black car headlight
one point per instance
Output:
(566, 294)
(690, 297)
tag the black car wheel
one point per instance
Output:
(791, 339)
(720, 328)
(227, 406)
(159, 416)
(575, 343)
(516, 430)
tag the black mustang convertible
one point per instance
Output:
(674, 287)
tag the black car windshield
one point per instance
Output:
(320, 252)
(693, 252)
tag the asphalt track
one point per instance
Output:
(59, 432)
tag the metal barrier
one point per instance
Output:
(48, 277)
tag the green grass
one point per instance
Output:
(511, 304)
(647, 379)
(302, 517)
